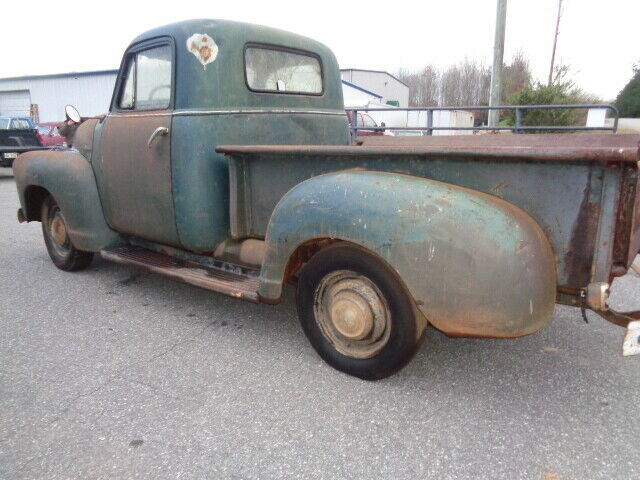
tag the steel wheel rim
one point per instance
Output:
(58, 232)
(352, 313)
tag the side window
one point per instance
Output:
(153, 78)
(147, 81)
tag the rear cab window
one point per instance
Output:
(280, 70)
(20, 124)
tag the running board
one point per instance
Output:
(215, 279)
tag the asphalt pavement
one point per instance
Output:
(110, 373)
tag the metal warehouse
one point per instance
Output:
(43, 97)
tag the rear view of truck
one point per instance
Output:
(17, 135)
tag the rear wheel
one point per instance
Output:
(54, 229)
(356, 313)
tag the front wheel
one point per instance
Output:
(54, 229)
(356, 313)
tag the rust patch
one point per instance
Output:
(203, 47)
(579, 258)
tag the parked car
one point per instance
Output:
(365, 120)
(235, 172)
(17, 135)
(49, 134)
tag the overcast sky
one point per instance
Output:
(598, 39)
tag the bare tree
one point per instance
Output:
(517, 75)
(465, 83)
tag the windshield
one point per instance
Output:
(4, 123)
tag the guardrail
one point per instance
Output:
(516, 128)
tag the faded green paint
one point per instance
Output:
(200, 175)
(475, 264)
(68, 177)
(555, 194)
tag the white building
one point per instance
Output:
(44, 96)
(382, 83)
(356, 96)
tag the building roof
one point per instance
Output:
(353, 85)
(373, 71)
(63, 75)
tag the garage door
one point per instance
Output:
(15, 103)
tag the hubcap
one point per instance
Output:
(352, 313)
(58, 230)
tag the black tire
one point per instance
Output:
(405, 328)
(62, 252)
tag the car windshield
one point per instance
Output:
(43, 129)
(4, 123)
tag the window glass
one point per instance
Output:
(281, 71)
(368, 121)
(4, 123)
(20, 124)
(44, 129)
(126, 97)
(153, 78)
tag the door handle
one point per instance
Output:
(158, 132)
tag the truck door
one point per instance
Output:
(136, 146)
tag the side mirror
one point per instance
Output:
(72, 114)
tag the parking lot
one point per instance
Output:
(110, 373)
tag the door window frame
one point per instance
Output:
(124, 65)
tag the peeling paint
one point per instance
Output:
(203, 47)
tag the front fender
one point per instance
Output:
(474, 264)
(69, 178)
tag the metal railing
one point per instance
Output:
(517, 110)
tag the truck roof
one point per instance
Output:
(219, 83)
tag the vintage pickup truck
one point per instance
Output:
(225, 161)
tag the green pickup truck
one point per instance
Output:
(225, 161)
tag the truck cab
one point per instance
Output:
(225, 162)
(184, 89)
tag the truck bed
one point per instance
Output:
(580, 188)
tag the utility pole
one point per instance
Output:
(498, 54)
(555, 42)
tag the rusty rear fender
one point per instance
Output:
(475, 265)
(69, 178)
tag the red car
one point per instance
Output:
(49, 135)
(365, 120)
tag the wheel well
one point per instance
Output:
(34, 197)
(302, 254)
